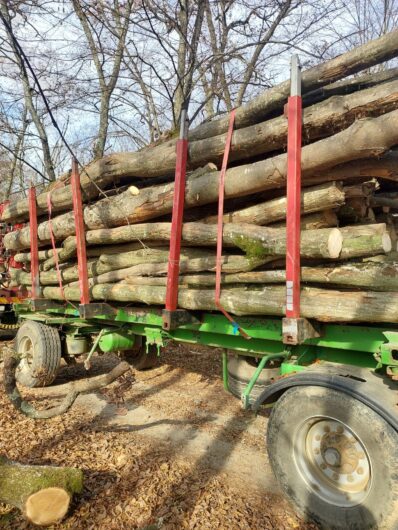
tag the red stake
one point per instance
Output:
(173, 270)
(293, 228)
(80, 234)
(34, 246)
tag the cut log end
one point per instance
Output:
(386, 242)
(134, 190)
(48, 506)
(335, 243)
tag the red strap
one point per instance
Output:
(220, 226)
(59, 276)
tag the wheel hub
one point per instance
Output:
(333, 461)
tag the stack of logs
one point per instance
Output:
(349, 229)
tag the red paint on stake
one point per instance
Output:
(173, 270)
(34, 245)
(293, 229)
(80, 234)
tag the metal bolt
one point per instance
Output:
(326, 428)
(350, 478)
(360, 471)
(340, 429)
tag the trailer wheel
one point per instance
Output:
(139, 358)
(40, 349)
(335, 458)
(241, 369)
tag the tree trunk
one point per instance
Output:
(373, 276)
(323, 197)
(42, 493)
(105, 264)
(361, 58)
(384, 167)
(314, 221)
(348, 86)
(320, 304)
(318, 121)
(369, 137)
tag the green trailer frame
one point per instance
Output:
(369, 347)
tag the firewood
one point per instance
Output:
(42, 493)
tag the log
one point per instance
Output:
(384, 167)
(318, 121)
(322, 197)
(368, 137)
(314, 221)
(369, 54)
(98, 267)
(347, 86)
(372, 276)
(321, 304)
(24, 257)
(228, 264)
(42, 493)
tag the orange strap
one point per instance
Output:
(220, 227)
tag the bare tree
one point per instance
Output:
(28, 90)
(95, 17)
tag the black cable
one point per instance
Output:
(21, 159)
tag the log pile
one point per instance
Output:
(349, 207)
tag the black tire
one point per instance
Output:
(40, 346)
(344, 477)
(241, 369)
(139, 358)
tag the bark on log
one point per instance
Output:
(24, 257)
(372, 276)
(320, 304)
(354, 61)
(228, 264)
(42, 493)
(369, 137)
(98, 267)
(318, 121)
(314, 221)
(322, 197)
(384, 167)
(348, 86)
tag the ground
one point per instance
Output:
(167, 448)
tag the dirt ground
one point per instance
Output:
(162, 449)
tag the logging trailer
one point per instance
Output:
(332, 434)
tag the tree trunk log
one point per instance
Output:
(323, 197)
(373, 276)
(314, 221)
(357, 141)
(318, 121)
(348, 86)
(320, 304)
(109, 263)
(384, 167)
(351, 62)
(228, 264)
(42, 493)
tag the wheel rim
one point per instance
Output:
(333, 461)
(26, 351)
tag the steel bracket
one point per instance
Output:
(154, 336)
(176, 318)
(298, 330)
(42, 304)
(94, 309)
